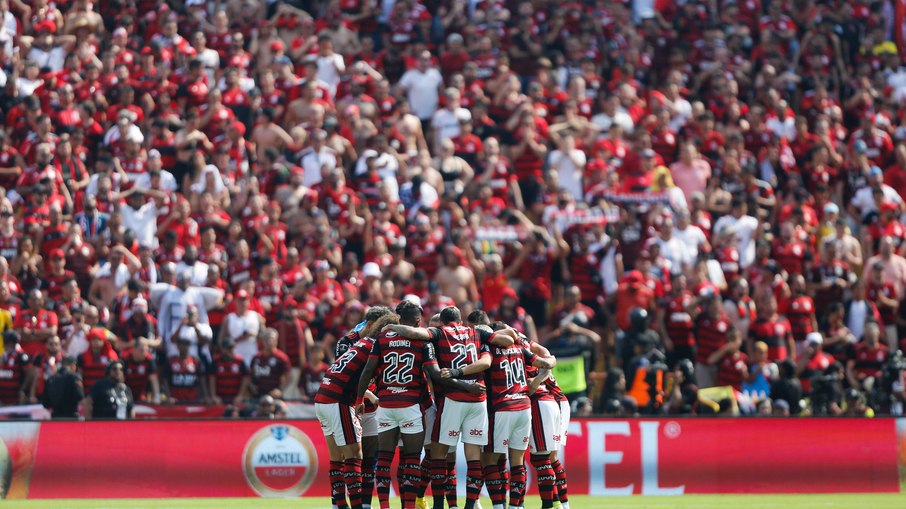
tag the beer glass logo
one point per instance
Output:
(279, 461)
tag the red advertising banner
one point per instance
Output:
(146, 459)
(675, 457)
(235, 458)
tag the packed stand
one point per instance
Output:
(692, 196)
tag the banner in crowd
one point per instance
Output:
(239, 458)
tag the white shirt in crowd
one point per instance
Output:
(422, 91)
(744, 227)
(570, 167)
(191, 335)
(238, 326)
(330, 69)
(446, 123)
(313, 161)
(142, 222)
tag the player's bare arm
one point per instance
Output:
(409, 332)
(536, 382)
(479, 366)
(364, 380)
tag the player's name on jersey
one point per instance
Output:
(400, 343)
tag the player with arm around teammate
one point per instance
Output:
(334, 408)
(510, 410)
(461, 415)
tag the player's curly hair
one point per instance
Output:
(376, 312)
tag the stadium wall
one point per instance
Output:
(230, 458)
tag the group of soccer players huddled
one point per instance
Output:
(395, 384)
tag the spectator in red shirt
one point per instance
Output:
(269, 369)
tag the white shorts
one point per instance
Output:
(511, 430)
(407, 419)
(545, 426)
(369, 424)
(340, 422)
(459, 420)
(565, 414)
(430, 418)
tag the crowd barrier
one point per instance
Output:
(237, 458)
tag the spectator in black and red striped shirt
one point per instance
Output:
(230, 378)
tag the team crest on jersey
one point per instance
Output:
(279, 461)
(778, 329)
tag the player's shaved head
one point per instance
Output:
(478, 317)
(434, 322)
(450, 314)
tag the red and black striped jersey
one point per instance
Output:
(800, 311)
(679, 323)
(711, 334)
(548, 391)
(93, 366)
(138, 372)
(184, 377)
(13, 366)
(457, 347)
(400, 374)
(731, 370)
(229, 371)
(774, 333)
(507, 381)
(340, 383)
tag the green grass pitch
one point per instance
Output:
(832, 501)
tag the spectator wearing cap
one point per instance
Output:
(100, 353)
(64, 391)
(814, 360)
(139, 327)
(56, 277)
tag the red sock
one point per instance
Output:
(352, 475)
(412, 474)
(546, 479)
(495, 484)
(560, 484)
(425, 468)
(337, 484)
(382, 478)
(451, 483)
(473, 483)
(438, 482)
(517, 485)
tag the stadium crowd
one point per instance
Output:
(679, 196)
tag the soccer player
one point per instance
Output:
(400, 364)
(510, 414)
(333, 407)
(461, 415)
